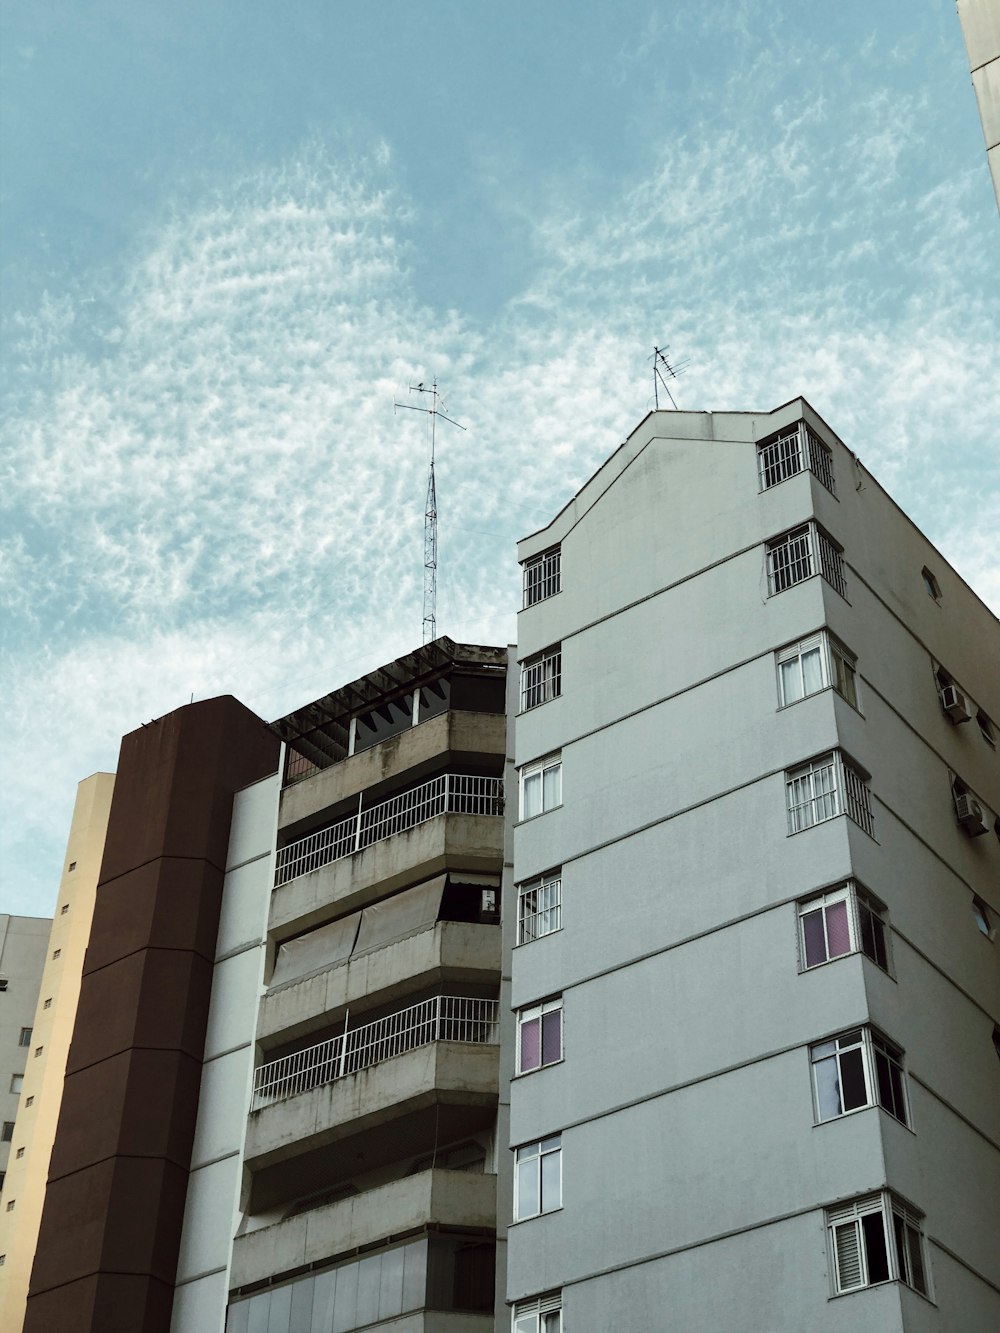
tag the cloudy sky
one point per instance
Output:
(234, 230)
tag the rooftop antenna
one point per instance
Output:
(436, 409)
(663, 370)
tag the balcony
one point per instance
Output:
(444, 952)
(443, 1018)
(450, 793)
(444, 1198)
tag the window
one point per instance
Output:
(64, 909)
(856, 1069)
(542, 1314)
(814, 664)
(3, 984)
(876, 1239)
(842, 921)
(56, 953)
(25, 1038)
(539, 1036)
(931, 585)
(28, 1100)
(8, 1131)
(72, 866)
(981, 916)
(10, 1206)
(826, 787)
(538, 1178)
(541, 678)
(16, 1082)
(791, 451)
(38, 1051)
(542, 576)
(539, 907)
(19, 1153)
(986, 729)
(48, 1003)
(541, 786)
(797, 555)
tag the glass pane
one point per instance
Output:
(390, 1296)
(347, 1300)
(237, 1316)
(791, 681)
(848, 1256)
(302, 1305)
(279, 1319)
(532, 795)
(414, 1275)
(553, 786)
(551, 1181)
(812, 670)
(552, 1036)
(814, 937)
(324, 1297)
(875, 1251)
(527, 1189)
(531, 1044)
(552, 1322)
(838, 929)
(852, 1080)
(915, 1254)
(259, 1307)
(526, 1323)
(828, 1103)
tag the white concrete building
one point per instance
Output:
(756, 867)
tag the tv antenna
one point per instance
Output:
(436, 409)
(664, 370)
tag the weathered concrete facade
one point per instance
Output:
(748, 740)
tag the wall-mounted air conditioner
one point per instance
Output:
(971, 815)
(955, 704)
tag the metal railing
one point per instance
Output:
(539, 909)
(831, 563)
(451, 793)
(801, 553)
(794, 450)
(443, 1018)
(541, 679)
(824, 788)
(542, 576)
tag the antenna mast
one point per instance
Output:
(430, 508)
(663, 371)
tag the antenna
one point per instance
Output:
(430, 508)
(662, 371)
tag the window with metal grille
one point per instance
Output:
(539, 1036)
(540, 1314)
(825, 787)
(791, 451)
(542, 576)
(797, 555)
(541, 677)
(539, 907)
(857, 1069)
(876, 1238)
(842, 921)
(538, 1178)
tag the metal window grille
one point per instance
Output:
(541, 678)
(539, 908)
(831, 563)
(789, 559)
(824, 788)
(443, 1018)
(792, 451)
(451, 793)
(542, 576)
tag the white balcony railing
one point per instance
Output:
(451, 793)
(443, 1018)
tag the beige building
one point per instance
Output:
(60, 958)
(22, 954)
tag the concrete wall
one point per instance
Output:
(691, 1160)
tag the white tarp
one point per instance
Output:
(404, 914)
(320, 948)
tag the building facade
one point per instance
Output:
(23, 942)
(755, 977)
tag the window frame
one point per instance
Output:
(7, 1132)
(25, 1038)
(541, 677)
(541, 576)
(837, 668)
(550, 882)
(539, 767)
(901, 1226)
(537, 1013)
(817, 552)
(982, 916)
(880, 1070)
(810, 454)
(858, 902)
(849, 793)
(531, 1157)
(537, 1310)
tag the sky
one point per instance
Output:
(234, 232)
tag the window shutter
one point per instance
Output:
(848, 1256)
(550, 1302)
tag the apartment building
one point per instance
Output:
(23, 942)
(755, 976)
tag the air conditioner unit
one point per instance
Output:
(971, 815)
(955, 704)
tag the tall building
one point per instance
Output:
(23, 941)
(755, 976)
(980, 21)
(60, 953)
(653, 984)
